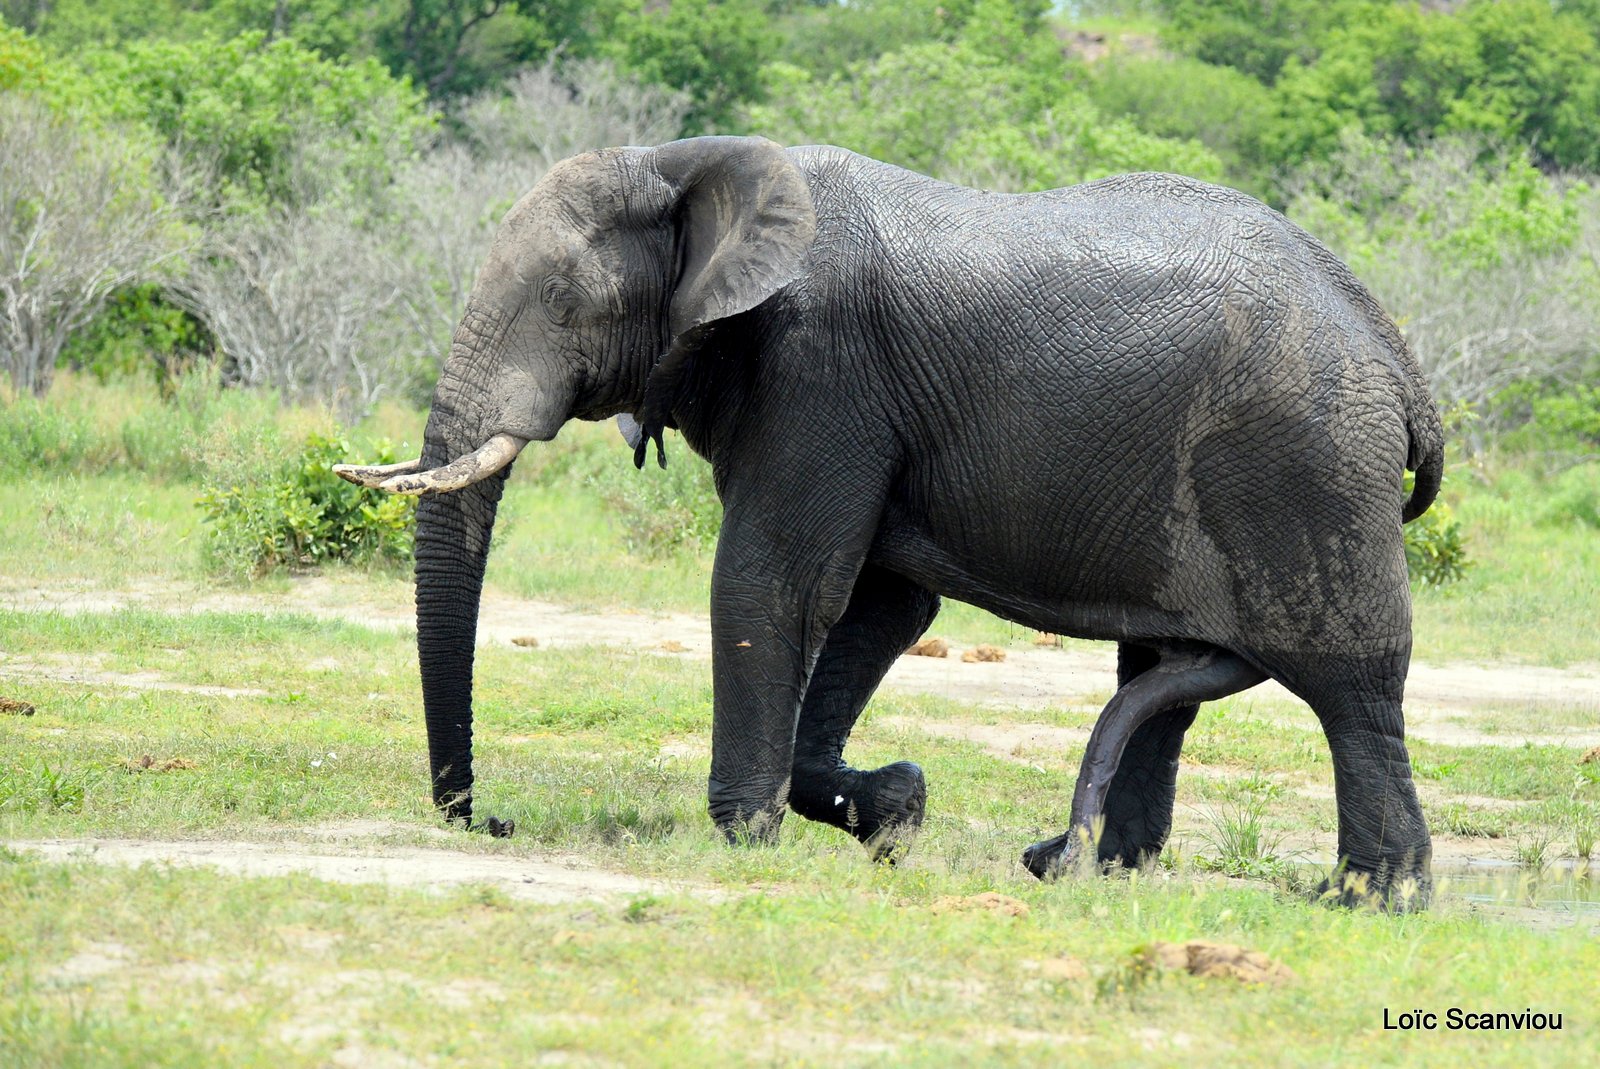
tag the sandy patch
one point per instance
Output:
(92, 962)
(84, 668)
(340, 857)
(1020, 743)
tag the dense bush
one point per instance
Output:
(1560, 420)
(267, 510)
(1486, 262)
(1513, 70)
(1255, 36)
(712, 51)
(1179, 97)
(139, 330)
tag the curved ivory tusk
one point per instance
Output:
(477, 465)
(375, 474)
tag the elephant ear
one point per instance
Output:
(745, 224)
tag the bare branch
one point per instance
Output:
(81, 214)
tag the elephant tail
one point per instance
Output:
(1426, 456)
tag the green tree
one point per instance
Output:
(23, 64)
(452, 47)
(277, 122)
(1179, 97)
(1257, 37)
(1511, 70)
(827, 38)
(712, 50)
(328, 26)
(1073, 142)
(969, 110)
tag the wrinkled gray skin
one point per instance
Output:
(1144, 409)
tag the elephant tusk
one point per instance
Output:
(476, 466)
(374, 475)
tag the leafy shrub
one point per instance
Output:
(1550, 418)
(1481, 258)
(712, 51)
(663, 511)
(1072, 142)
(1254, 37)
(967, 112)
(1514, 70)
(1436, 550)
(138, 330)
(250, 108)
(267, 511)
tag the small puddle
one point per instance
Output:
(1564, 887)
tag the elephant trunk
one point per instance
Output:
(452, 549)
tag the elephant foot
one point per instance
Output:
(456, 808)
(494, 828)
(758, 829)
(751, 818)
(882, 809)
(1385, 888)
(1062, 856)
(897, 797)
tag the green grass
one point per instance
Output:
(803, 953)
(812, 956)
(287, 972)
(1535, 580)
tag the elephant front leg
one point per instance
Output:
(772, 605)
(882, 807)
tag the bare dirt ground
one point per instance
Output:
(370, 851)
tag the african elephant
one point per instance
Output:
(1144, 409)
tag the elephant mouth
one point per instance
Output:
(407, 478)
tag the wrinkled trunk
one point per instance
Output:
(452, 548)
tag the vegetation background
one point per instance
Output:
(235, 236)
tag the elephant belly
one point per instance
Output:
(1038, 565)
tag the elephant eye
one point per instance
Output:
(559, 297)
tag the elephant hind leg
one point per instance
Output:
(1184, 675)
(886, 614)
(1384, 847)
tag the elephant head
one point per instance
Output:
(598, 285)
